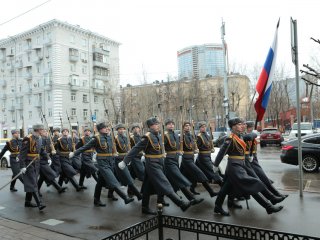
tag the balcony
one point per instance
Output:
(38, 104)
(10, 54)
(74, 87)
(3, 57)
(98, 90)
(37, 59)
(28, 48)
(19, 106)
(100, 64)
(3, 83)
(19, 64)
(28, 64)
(73, 58)
(28, 76)
(47, 42)
(37, 46)
(100, 77)
(100, 50)
(11, 108)
(3, 96)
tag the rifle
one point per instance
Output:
(49, 131)
(162, 129)
(114, 149)
(210, 130)
(94, 132)
(78, 128)
(181, 131)
(60, 121)
(194, 136)
(72, 138)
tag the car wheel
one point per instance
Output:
(4, 163)
(310, 163)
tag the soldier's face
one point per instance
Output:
(87, 133)
(187, 128)
(41, 132)
(250, 129)
(121, 130)
(15, 135)
(136, 130)
(155, 127)
(44, 133)
(240, 127)
(203, 128)
(65, 133)
(170, 126)
(104, 130)
(56, 133)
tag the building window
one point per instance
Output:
(84, 69)
(73, 97)
(20, 47)
(72, 38)
(96, 112)
(30, 114)
(84, 83)
(74, 80)
(29, 57)
(49, 96)
(50, 112)
(73, 67)
(84, 42)
(100, 57)
(47, 79)
(38, 68)
(49, 65)
(95, 99)
(85, 113)
(20, 88)
(73, 112)
(85, 98)
(29, 100)
(84, 57)
(38, 40)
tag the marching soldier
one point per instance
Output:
(155, 180)
(237, 178)
(29, 156)
(252, 161)
(56, 165)
(88, 168)
(103, 144)
(171, 163)
(47, 174)
(136, 167)
(188, 167)
(64, 146)
(76, 161)
(14, 146)
(122, 146)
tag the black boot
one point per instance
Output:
(38, 200)
(75, 184)
(273, 199)
(97, 193)
(135, 191)
(81, 180)
(233, 204)
(60, 182)
(219, 210)
(193, 189)
(111, 196)
(191, 197)
(28, 199)
(40, 182)
(160, 199)
(58, 187)
(209, 189)
(266, 204)
(182, 204)
(123, 196)
(145, 205)
(95, 176)
(12, 184)
(275, 192)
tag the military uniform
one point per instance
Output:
(136, 167)
(155, 180)
(204, 161)
(64, 146)
(237, 178)
(188, 166)
(88, 168)
(56, 165)
(103, 144)
(31, 151)
(14, 146)
(47, 174)
(76, 160)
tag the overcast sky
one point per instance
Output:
(151, 32)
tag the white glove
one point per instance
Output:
(212, 150)
(122, 165)
(196, 151)
(71, 155)
(53, 152)
(23, 170)
(165, 155)
(180, 160)
(143, 158)
(17, 159)
(215, 169)
(116, 154)
(49, 161)
(250, 158)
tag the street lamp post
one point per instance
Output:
(225, 80)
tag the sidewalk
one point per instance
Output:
(15, 231)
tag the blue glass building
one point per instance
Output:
(200, 61)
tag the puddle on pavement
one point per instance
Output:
(104, 227)
(69, 220)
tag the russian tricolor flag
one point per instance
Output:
(264, 84)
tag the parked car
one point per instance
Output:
(306, 128)
(270, 136)
(310, 152)
(5, 160)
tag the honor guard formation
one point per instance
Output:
(164, 160)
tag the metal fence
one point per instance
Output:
(200, 228)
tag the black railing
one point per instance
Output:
(200, 227)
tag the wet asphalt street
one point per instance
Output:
(72, 213)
